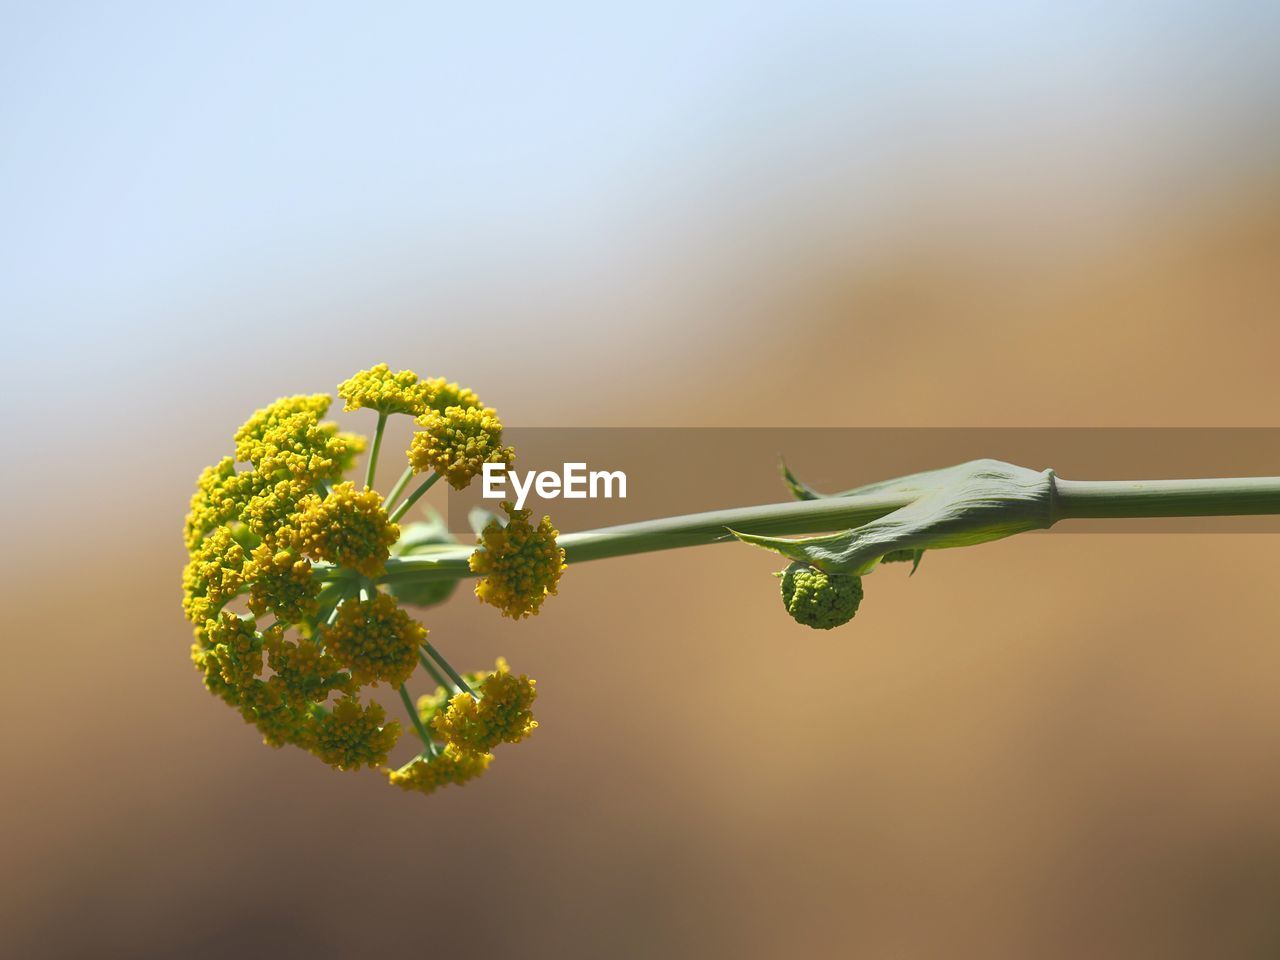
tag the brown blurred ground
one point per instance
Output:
(1048, 747)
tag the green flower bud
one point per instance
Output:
(817, 599)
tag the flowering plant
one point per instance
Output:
(297, 579)
(276, 530)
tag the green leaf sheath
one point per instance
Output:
(975, 503)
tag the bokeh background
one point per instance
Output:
(697, 214)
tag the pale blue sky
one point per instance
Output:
(179, 180)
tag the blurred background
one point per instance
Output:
(674, 214)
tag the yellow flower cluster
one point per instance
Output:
(213, 575)
(470, 727)
(286, 706)
(348, 527)
(502, 714)
(281, 583)
(520, 564)
(429, 704)
(302, 670)
(450, 766)
(375, 640)
(276, 529)
(221, 494)
(269, 512)
(230, 656)
(288, 438)
(350, 736)
(458, 442)
(440, 395)
(379, 389)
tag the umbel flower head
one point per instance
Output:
(819, 600)
(501, 714)
(288, 438)
(376, 640)
(350, 735)
(281, 584)
(379, 389)
(347, 527)
(286, 584)
(519, 564)
(457, 442)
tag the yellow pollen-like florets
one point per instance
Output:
(450, 766)
(282, 584)
(259, 519)
(520, 564)
(350, 736)
(236, 647)
(279, 717)
(439, 394)
(270, 512)
(303, 672)
(379, 389)
(347, 527)
(503, 713)
(288, 439)
(214, 575)
(458, 443)
(229, 655)
(262, 421)
(221, 494)
(375, 640)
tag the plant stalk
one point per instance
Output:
(412, 709)
(373, 451)
(414, 497)
(1073, 500)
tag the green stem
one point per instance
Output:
(456, 677)
(373, 451)
(400, 485)
(1073, 499)
(1113, 499)
(668, 533)
(412, 709)
(432, 669)
(413, 498)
